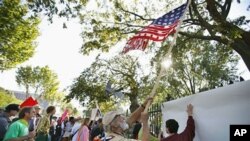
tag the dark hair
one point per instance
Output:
(100, 120)
(172, 125)
(50, 109)
(10, 107)
(71, 119)
(23, 111)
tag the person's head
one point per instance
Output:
(27, 113)
(99, 121)
(12, 109)
(115, 120)
(51, 110)
(85, 122)
(71, 119)
(37, 109)
(172, 126)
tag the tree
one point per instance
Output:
(18, 32)
(26, 78)
(208, 16)
(42, 80)
(72, 111)
(6, 98)
(124, 73)
(212, 16)
(198, 66)
(112, 21)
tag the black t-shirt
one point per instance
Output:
(96, 131)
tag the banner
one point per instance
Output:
(214, 111)
(95, 114)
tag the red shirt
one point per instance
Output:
(187, 135)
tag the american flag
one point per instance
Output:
(158, 30)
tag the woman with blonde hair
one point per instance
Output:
(83, 133)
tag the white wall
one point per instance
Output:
(214, 111)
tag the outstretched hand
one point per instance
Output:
(190, 109)
(149, 99)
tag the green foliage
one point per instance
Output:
(124, 72)
(197, 66)
(42, 80)
(106, 23)
(50, 8)
(73, 111)
(6, 98)
(18, 32)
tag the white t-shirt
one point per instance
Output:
(68, 129)
(75, 128)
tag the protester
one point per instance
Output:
(52, 130)
(172, 128)
(116, 124)
(19, 130)
(83, 133)
(44, 125)
(75, 128)
(97, 130)
(10, 110)
(136, 130)
(34, 121)
(68, 129)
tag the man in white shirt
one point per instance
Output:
(75, 128)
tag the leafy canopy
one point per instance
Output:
(18, 32)
(42, 80)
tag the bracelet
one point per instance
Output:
(143, 106)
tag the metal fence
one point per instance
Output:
(155, 118)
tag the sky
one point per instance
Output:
(59, 49)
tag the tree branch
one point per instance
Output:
(213, 10)
(226, 8)
(202, 21)
(216, 38)
(192, 21)
(130, 25)
(137, 15)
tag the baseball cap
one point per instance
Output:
(37, 107)
(108, 117)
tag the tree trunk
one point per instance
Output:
(242, 46)
(27, 91)
(134, 103)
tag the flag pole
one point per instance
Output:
(153, 92)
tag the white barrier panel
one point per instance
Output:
(214, 111)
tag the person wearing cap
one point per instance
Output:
(10, 110)
(117, 125)
(19, 130)
(34, 121)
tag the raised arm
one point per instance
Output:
(137, 113)
(145, 128)
(190, 128)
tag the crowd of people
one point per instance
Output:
(31, 125)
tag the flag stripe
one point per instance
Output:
(158, 30)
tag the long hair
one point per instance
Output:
(85, 122)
